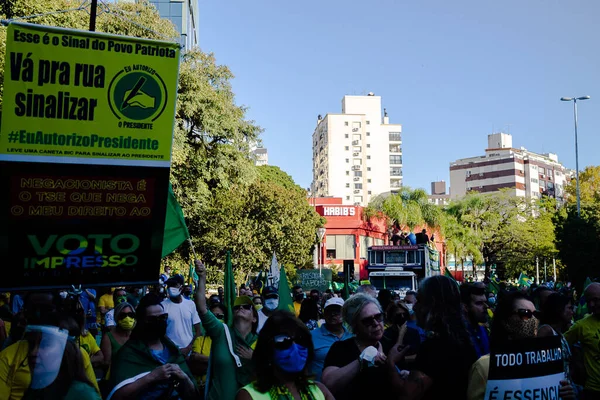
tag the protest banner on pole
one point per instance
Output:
(526, 369)
(311, 279)
(85, 150)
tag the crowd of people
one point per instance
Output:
(178, 342)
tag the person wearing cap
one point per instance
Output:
(183, 323)
(331, 331)
(231, 366)
(270, 302)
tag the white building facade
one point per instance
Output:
(357, 154)
(524, 173)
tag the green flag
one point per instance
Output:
(587, 283)
(524, 280)
(193, 276)
(494, 286)
(229, 294)
(176, 231)
(285, 296)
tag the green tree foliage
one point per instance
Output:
(589, 186)
(578, 241)
(510, 231)
(408, 208)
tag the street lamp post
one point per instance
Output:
(321, 234)
(574, 100)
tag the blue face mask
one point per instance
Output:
(291, 360)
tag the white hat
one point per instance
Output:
(334, 301)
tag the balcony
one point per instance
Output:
(356, 143)
(356, 167)
(357, 178)
(356, 191)
(356, 154)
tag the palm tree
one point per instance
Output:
(407, 208)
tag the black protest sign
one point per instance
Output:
(526, 369)
(66, 225)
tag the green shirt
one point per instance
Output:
(135, 358)
(225, 378)
(82, 391)
(587, 331)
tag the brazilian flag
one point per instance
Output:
(524, 280)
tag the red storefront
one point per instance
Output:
(348, 235)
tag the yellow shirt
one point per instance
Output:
(15, 376)
(478, 378)
(106, 300)
(297, 307)
(201, 345)
(587, 331)
(88, 344)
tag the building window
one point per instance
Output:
(369, 192)
(368, 168)
(347, 197)
(368, 122)
(346, 123)
(368, 157)
(340, 246)
(395, 148)
(346, 136)
(358, 173)
(468, 174)
(395, 136)
(347, 160)
(542, 170)
(368, 181)
(533, 180)
(347, 172)
(347, 185)
(358, 199)
(368, 133)
(347, 148)
(395, 171)
(395, 159)
(358, 186)
(368, 145)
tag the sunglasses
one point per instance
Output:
(244, 306)
(525, 314)
(372, 320)
(220, 316)
(124, 315)
(283, 342)
(158, 318)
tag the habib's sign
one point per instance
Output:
(337, 211)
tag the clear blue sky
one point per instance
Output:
(448, 71)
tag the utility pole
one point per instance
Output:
(93, 11)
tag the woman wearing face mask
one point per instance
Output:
(514, 319)
(282, 356)
(113, 340)
(149, 365)
(231, 365)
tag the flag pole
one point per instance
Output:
(193, 249)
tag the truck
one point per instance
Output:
(401, 268)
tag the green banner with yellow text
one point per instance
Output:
(83, 97)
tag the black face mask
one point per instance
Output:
(299, 297)
(154, 330)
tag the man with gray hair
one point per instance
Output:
(586, 331)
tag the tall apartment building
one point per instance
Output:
(525, 173)
(357, 154)
(184, 15)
